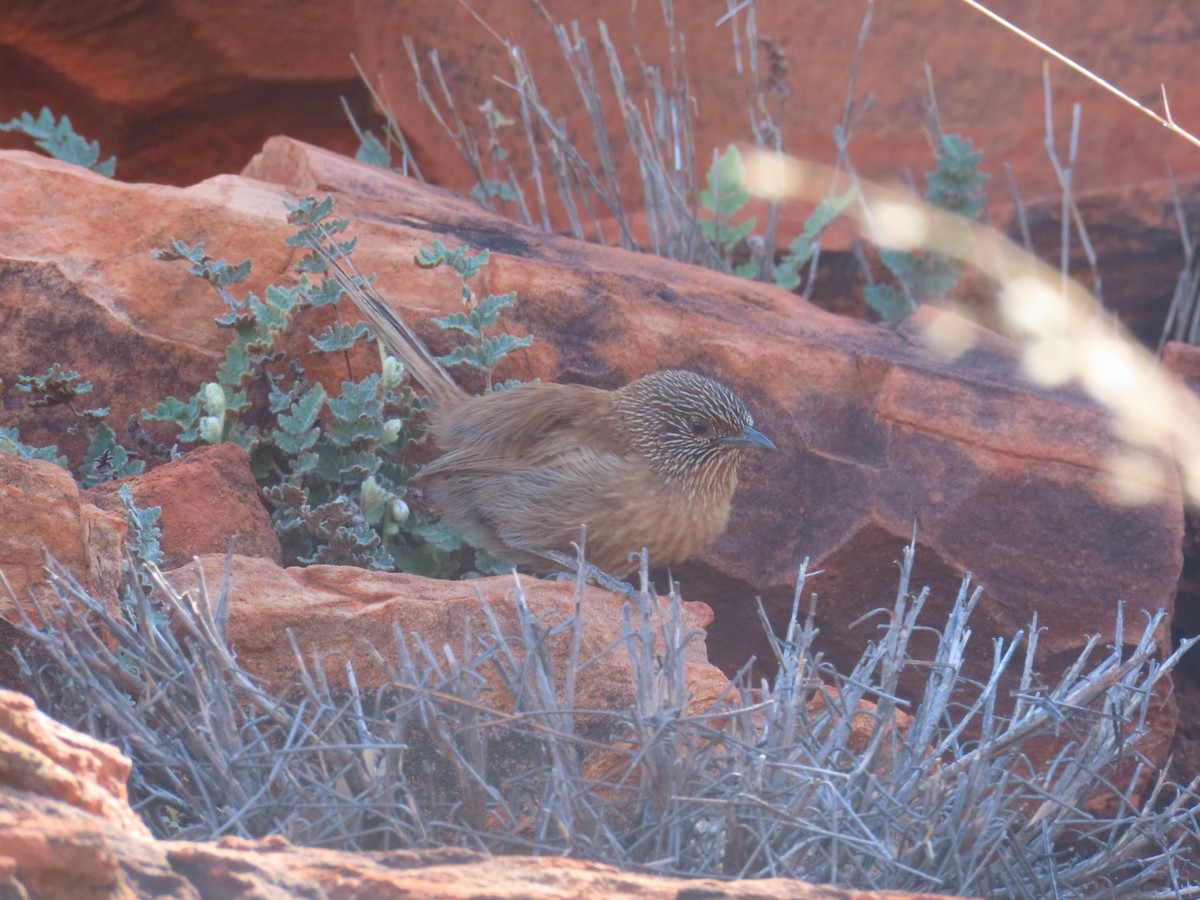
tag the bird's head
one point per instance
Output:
(690, 427)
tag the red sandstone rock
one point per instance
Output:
(207, 497)
(1134, 232)
(185, 90)
(42, 512)
(988, 81)
(341, 611)
(45, 759)
(179, 94)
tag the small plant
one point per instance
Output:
(105, 459)
(803, 249)
(723, 199)
(482, 351)
(10, 442)
(331, 464)
(58, 139)
(956, 185)
(143, 550)
(726, 197)
(144, 533)
(376, 152)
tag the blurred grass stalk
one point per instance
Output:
(1064, 334)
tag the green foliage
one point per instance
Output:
(105, 459)
(144, 533)
(723, 199)
(299, 429)
(144, 550)
(10, 442)
(339, 337)
(372, 151)
(956, 185)
(329, 463)
(787, 271)
(891, 304)
(490, 189)
(460, 260)
(215, 413)
(726, 197)
(482, 351)
(58, 387)
(58, 139)
(376, 152)
(335, 532)
(217, 272)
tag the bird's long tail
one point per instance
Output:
(395, 334)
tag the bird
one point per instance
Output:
(651, 465)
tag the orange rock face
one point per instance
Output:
(44, 510)
(179, 94)
(207, 498)
(988, 82)
(337, 611)
(43, 513)
(46, 759)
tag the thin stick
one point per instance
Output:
(1168, 122)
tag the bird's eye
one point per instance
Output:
(699, 427)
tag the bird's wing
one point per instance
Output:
(524, 468)
(527, 506)
(527, 427)
(549, 460)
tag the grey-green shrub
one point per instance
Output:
(766, 783)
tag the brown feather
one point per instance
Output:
(653, 464)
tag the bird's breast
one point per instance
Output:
(673, 520)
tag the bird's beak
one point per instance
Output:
(749, 438)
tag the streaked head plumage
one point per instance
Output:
(684, 423)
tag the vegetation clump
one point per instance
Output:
(776, 780)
